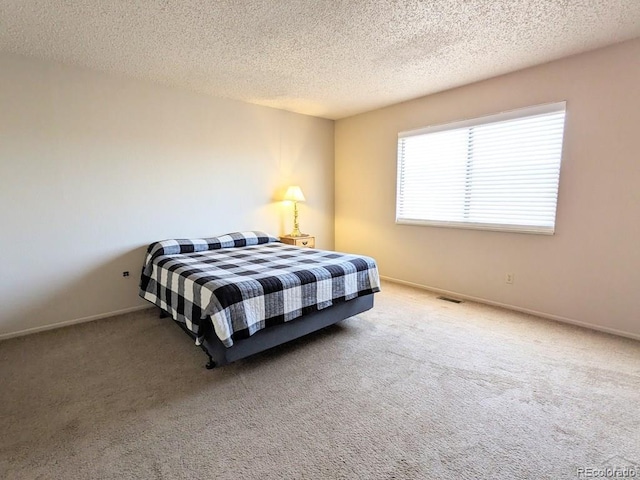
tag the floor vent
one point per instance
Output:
(449, 299)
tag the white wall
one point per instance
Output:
(95, 167)
(589, 271)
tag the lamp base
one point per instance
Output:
(297, 233)
(296, 227)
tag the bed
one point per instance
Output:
(242, 293)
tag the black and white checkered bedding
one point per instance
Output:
(247, 281)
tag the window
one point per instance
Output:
(499, 172)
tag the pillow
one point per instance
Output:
(190, 245)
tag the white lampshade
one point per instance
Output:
(294, 194)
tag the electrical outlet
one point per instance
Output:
(125, 274)
(508, 278)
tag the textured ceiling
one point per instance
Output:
(328, 58)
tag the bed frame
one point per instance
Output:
(220, 355)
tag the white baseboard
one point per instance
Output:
(548, 316)
(67, 323)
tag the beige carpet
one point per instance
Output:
(416, 388)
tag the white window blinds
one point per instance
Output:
(499, 172)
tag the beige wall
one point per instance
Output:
(589, 271)
(95, 167)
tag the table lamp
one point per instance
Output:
(294, 194)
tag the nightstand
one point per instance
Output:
(306, 241)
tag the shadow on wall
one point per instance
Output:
(78, 296)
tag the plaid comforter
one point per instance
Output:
(244, 282)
